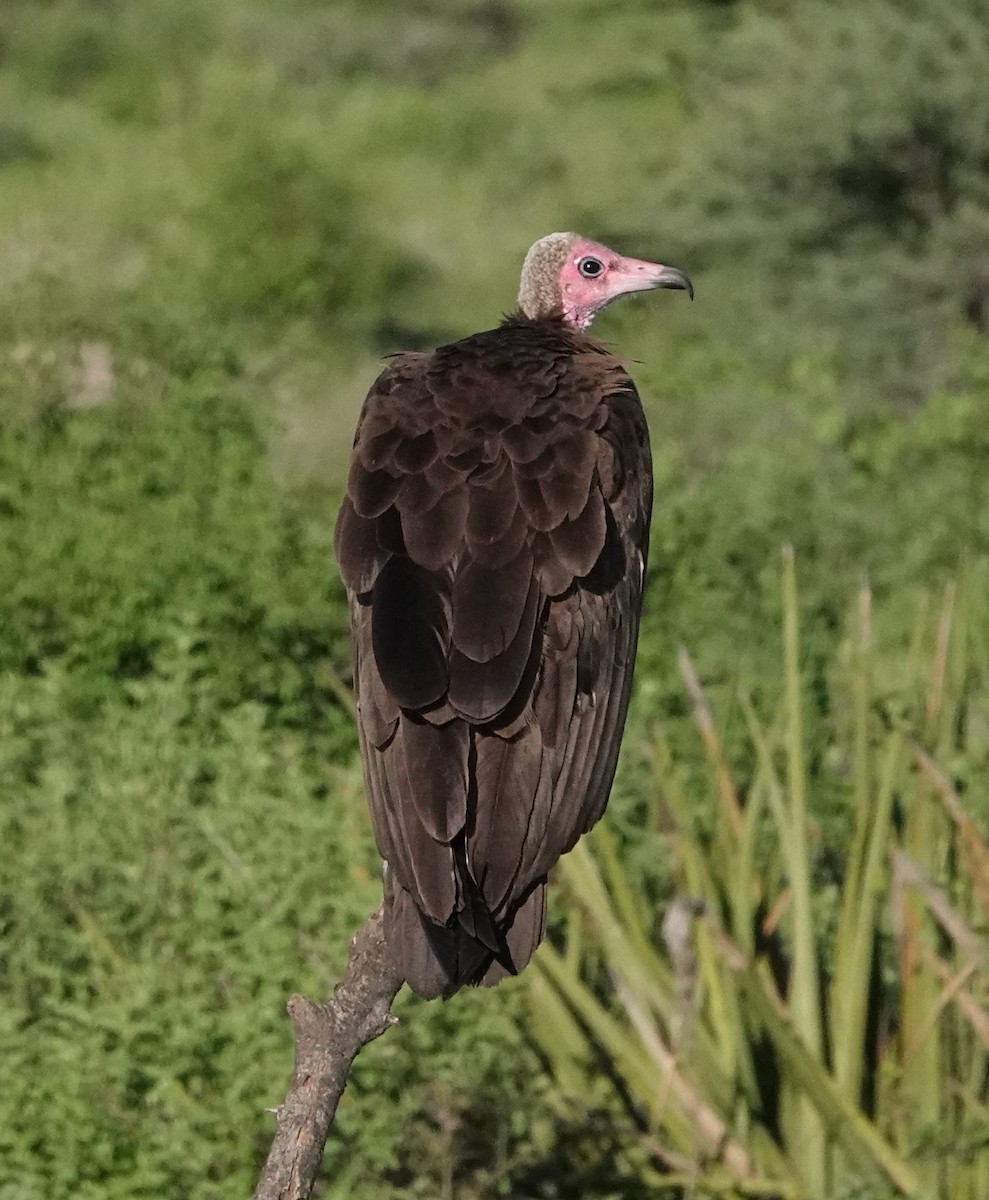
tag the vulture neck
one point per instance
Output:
(554, 327)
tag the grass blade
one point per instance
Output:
(804, 988)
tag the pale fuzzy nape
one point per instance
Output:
(539, 287)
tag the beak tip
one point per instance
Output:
(673, 277)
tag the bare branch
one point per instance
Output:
(328, 1037)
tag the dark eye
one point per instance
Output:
(590, 267)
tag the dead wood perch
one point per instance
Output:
(328, 1037)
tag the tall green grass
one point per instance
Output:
(812, 1020)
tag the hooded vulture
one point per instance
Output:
(493, 544)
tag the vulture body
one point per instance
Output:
(493, 543)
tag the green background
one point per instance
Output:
(214, 221)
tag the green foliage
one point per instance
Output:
(213, 220)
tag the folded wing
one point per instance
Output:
(493, 541)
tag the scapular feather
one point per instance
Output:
(554, 576)
(523, 443)
(507, 547)
(371, 491)
(481, 692)
(488, 605)
(567, 493)
(432, 537)
(360, 556)
(492, 510)
(542, 510)
(578, 543)
(415, 453)
(410, 632)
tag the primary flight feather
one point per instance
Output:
(493, 543)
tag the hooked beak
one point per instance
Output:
(644, 276)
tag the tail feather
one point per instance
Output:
(522, 936)
(437, 960)
(474, 916)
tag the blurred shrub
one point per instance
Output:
(286, 239)
(125, 524)
(18, 144)
(107, 53)
(382, 38)
(840, 151)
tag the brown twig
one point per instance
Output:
(328, 1037)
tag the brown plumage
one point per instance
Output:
(493, 542)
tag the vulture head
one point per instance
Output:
(567, 275)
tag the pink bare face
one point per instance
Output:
(593, 276)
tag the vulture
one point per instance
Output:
(493, 542)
